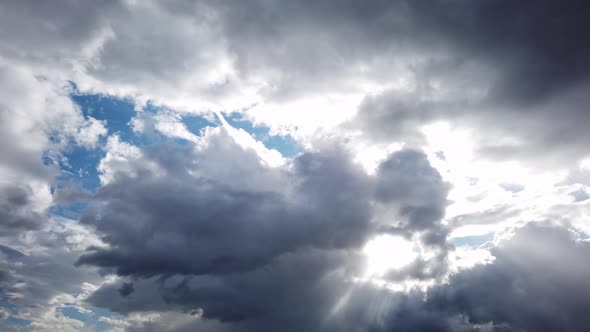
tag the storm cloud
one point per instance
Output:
(320, 200)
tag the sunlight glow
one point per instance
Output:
(387, 252)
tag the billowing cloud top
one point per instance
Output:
(294, 165)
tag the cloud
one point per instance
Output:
(39, 121)
(17, 212)
(404, 64)
(38, 276)
(319, 298)
(525, 92)
(530, 269)
(215, 229)
(450, 61)
(126, 289)
(4, 313)
(321, 202)
(407, 179)
(62, 32)
(409, 184)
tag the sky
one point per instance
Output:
(295, 165)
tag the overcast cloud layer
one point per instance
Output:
(294, 165)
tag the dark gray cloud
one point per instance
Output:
(537, 48)
(408, 180)
(541, 47)
(183, 224)
(297, 290)
(252, 254)
(500, 131)
(516, 292)
(408, 183)
(6, 280)
(311, 46)
(17, 212)
(528, 287)
(397, 116)
(179, 223)
(61, 30)
(126, 289)
(531, 285)
(516, 72)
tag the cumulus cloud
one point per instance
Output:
(319, 298)
(38, 121)
(321, 200)
(529, 268)
(212, 236)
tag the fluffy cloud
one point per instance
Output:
(532, 269)
(404, 63)
(320, 200)
(39, 121)
(318, 297)
(191, 233)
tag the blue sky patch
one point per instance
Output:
(286, 145)
(473, 241)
